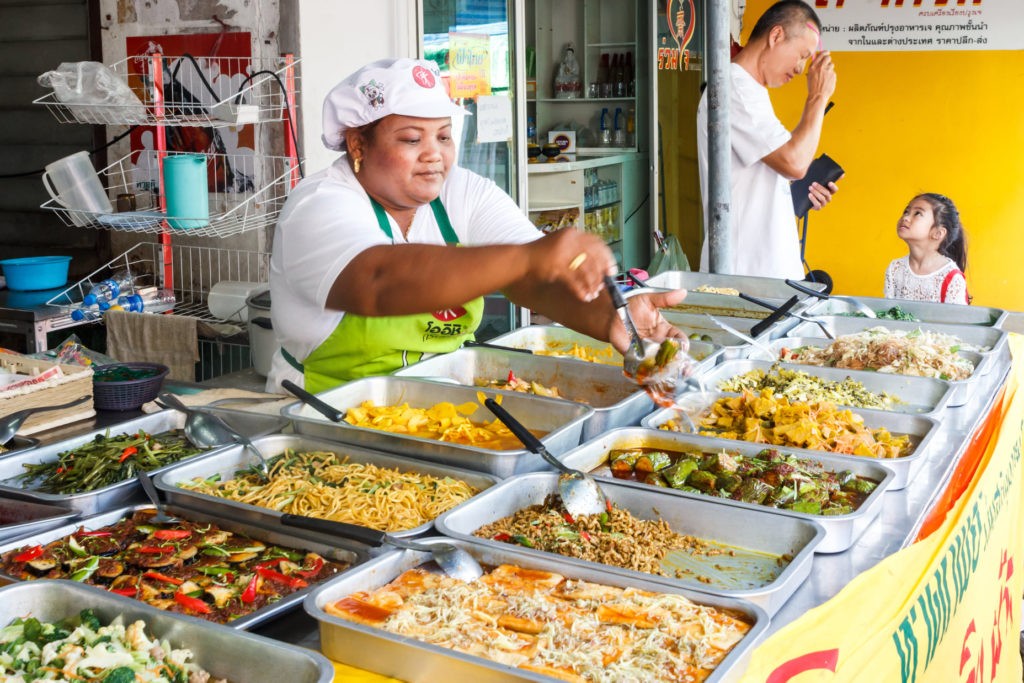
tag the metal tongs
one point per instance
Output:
(784, 310)
(639, 348)
(859, 306)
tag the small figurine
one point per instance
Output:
(568, 84)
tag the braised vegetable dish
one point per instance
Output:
(770, 478)
(542, 622)
(763, 418)
(185, 567)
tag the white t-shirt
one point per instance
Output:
(328, 220)
(903, 283)
(764, 234)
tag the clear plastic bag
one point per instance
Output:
(94, 93)
(72, 351)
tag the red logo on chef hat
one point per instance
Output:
(423, 77)
(448, 314)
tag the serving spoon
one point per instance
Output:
(579, 492)
(207, 430)
(320, 406)
(453, 561)
(161, 517)
(10, 424)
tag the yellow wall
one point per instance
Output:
(910, 122)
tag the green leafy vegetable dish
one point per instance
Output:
(81, 648)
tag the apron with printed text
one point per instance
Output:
(365, 346)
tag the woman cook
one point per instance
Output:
(387, 254)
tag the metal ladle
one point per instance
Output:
(579, 491)
(453, 561)
(10, 424)
(160, 517)
(207, 430)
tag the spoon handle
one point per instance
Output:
(371, 537)
(322, 407)
(532, 443)
(486, 345)
(806, 290)
(147, 486)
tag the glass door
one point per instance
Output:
(473, 44)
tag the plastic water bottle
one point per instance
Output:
(86, 314)
(161, 299)
(109, 289)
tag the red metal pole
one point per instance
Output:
(290, 129)
(156, 66)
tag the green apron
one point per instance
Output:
(364, 346)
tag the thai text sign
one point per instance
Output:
(943, 610)
(897, 25)
(469, 65)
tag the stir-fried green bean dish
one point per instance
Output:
(107, 460)
(770, 478)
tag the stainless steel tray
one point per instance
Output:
(19, 444)
(339, 551)
(227, 462)
(21, 517)
(417, 662)
(563, 421)
(760, 531)
(732, 346)
(993, 338)
(920, 394)
(224, 652)
(90, 502)
(925, 311)
(921, 429)
(761, 287)
(538, 338)
(962, 390)
(841, 531)
(617, 400)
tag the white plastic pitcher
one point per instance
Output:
(74, 184)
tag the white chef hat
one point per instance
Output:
(411, 87)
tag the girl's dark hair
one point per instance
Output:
(789, 14)
(954, 244)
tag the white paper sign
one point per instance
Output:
(493, 118)
(929, 25)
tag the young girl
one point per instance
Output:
(934, 268)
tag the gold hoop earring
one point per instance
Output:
(356, 164)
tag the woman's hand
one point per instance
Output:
(576, 258)
(648, 319)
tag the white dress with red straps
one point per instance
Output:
(945, 285)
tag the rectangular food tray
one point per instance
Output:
(418, 662)
(539, 337)
(841, 531)
(757, 530)
(761, 287)
(920, 395)
(962, 391)
(89, 502)
(922, 430)
(925, 311)
(732, 346)
(993, 338)
(227, 462)
(339, 551)
(21, 517)
(224, 652)
(617, 401)
(561, 420)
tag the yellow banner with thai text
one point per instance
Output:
(944, 610)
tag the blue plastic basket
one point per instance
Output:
(36, 272)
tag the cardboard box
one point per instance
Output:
(565, 139)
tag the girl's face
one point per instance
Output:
(407, 159)
(918, 222)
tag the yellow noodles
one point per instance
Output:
(323, 484)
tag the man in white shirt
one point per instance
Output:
(765, 156)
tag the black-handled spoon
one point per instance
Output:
(321, 406)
